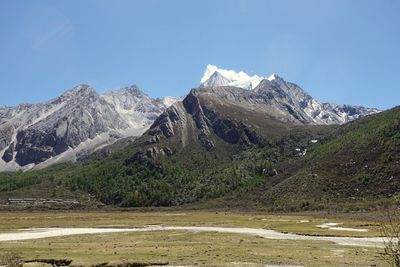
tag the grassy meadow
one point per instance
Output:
(179, 248)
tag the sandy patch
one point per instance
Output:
(274, 220)
(268, 234)
(334, 226)
(303, 221)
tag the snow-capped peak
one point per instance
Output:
(230, 78)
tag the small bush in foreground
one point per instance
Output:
(391, 233)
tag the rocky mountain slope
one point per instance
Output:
(72, 125)
(287, 95)
(211, 116)
(232, 115)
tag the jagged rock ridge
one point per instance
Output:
(72, 125)
(288, 95)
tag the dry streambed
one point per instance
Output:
(37, 233)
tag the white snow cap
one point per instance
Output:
(238, 79)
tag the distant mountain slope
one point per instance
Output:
(72, 125)
(136, 108)
(289, 95)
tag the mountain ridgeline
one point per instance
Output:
(236, 140)
(72, 125)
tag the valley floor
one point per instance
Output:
(189, 238)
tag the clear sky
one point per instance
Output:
(343, 51)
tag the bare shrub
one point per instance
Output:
(391, 233)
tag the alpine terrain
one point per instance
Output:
(285, 152)
(286, 94)
(242, 145)
(73, 125)
(81, 121)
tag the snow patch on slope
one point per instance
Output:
(170, 100)
(272, 77)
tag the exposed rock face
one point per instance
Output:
(163, 125)
(192, 121)
(5, 136)
(73, 125)
(234, 133)
(135, 107)
(194, 108)
(9, 152)
(311, 109)
(79, 115)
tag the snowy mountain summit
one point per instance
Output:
(214, 77)
(284, 96)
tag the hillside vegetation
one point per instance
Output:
(192, 175)
(355, 166)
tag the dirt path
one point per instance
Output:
(37, 233)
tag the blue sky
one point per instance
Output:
(342, 51)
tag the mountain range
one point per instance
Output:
(285, 94)
(73, 125)
(268, 146)
(82, 121)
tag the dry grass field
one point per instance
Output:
(186, 248)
